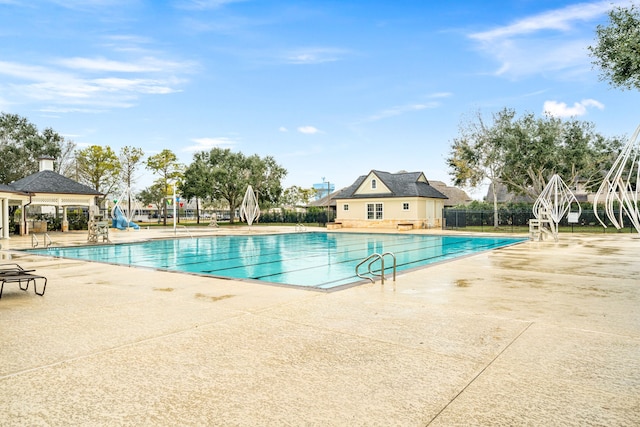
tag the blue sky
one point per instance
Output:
(330, 89)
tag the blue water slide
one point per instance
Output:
(120, 222)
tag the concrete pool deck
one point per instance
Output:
(540, 333)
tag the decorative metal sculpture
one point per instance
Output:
(125, 208)
(553, 203)
(620, 186)
(249, 210)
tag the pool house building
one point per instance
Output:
(401, 200)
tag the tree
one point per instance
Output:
(130, 158)
(543, 146)
(478, 154)
(153, 194)
(196, 183)
(617, 52)
(523, 153)
(66, 163)
(298, 196)
(98, 167)
(21, 144)
(166, 165)
(230, 173)
(267, 177)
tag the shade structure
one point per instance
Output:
(620, 187)
(249, 209)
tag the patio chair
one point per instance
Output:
(14, 273)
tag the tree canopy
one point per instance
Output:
(130, 158)
(522, 153)
(98, 167)
(617, 48)
(153, 194)
(165, 164)
(222, 174)
(298, 196)
(478, 154)
(21, 144)
(196, 183)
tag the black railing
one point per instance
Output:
(516, 220)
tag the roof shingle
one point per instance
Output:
(47, 181)
(404, 184)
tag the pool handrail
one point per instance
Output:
(46, 239)
(372, 259)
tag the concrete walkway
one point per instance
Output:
(538, 334)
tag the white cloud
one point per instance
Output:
(532, 45)
(60, 110)
(314, 55)
(67, 87)
(206, 4)
(560, 109)
(103, 64)
(398, 110)
(205, 144)
(308, 130)
(557, 19)
(440, 95)
(148, 86)
(283, 129)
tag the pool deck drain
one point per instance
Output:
(540, 333)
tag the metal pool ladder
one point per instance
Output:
(46, 240)
(175, 230)
(372, 259)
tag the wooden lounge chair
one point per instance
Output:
(14, 273)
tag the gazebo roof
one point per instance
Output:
(48, 181)
(4, 188)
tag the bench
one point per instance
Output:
(13, 273)
(405, 227)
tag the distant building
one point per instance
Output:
(456, 196)
(579, 190)
(505, 196)
(323, 189)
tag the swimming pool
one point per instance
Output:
(312, 259)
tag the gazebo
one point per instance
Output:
(44, 188)
(9, 197)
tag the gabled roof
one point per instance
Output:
(457, 196)
(322, 202)
(47, 181)
(404, 184)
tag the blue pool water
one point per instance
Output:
(314, 260)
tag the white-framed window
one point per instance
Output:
(374, 184)
(405, 206)
(374, 211)
(345, 207)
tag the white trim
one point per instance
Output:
(375, 211)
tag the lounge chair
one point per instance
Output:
(12, 273)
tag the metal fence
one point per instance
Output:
(455, 219)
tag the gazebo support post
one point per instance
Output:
(65, 221)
